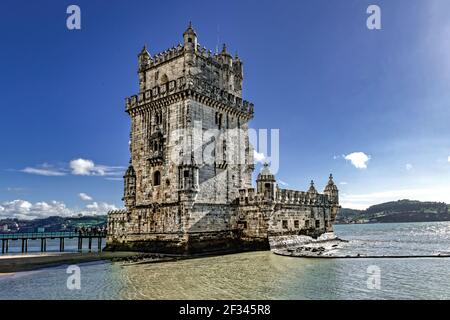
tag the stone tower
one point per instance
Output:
(189, 142)
(188, 187)
(188, 98)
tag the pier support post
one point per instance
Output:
(23, 245)
(80, 244)
(6, 245)
(61, 244)
(90, 244)
(99, 244)
(3, 245)
(26, 245)
(43, 244)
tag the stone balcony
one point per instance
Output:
(189, 83)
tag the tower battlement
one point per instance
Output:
(189, 66)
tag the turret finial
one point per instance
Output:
(190, 29)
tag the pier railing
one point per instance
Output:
(44, 236)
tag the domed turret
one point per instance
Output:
(130, 172)
(144, 58)
(226, 56)
(190, 38)
(312, 189)
(332, 191)
(266, 183)
(129, 178)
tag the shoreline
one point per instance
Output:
(18, 263)
(11, 264)
(286, 253)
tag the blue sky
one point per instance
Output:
(334, 88)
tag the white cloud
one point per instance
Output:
(84, 167)
(81, 167)
(26, 210)
(358, 159)
(448, 159)
(22, 209)
(408, 167)
(343, 183)
(283, 183)
(100, 208)
(85, 197)
(259, 157)
(49, 172)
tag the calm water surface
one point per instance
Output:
(263, 275)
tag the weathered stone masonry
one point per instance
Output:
(180, 198)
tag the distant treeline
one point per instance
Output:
(397, 211)
(51, 224)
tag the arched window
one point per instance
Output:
(158, 118)
(156, 178)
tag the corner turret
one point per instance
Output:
(266, 183)
(129, 196)
(190, 39)
(332, 191)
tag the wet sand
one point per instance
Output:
(16, 263)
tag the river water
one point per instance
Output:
(264, 275)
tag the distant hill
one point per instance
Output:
(51, 224)
(397, 211)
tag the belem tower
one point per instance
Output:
(188, 188)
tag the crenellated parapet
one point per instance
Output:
(116, 217)
(118, 214)
(149, 62)
(193, 86)
(284, 196)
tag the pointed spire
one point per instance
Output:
(144, 51)
(224, 48)
(190, 29)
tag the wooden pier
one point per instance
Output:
(44, 236)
